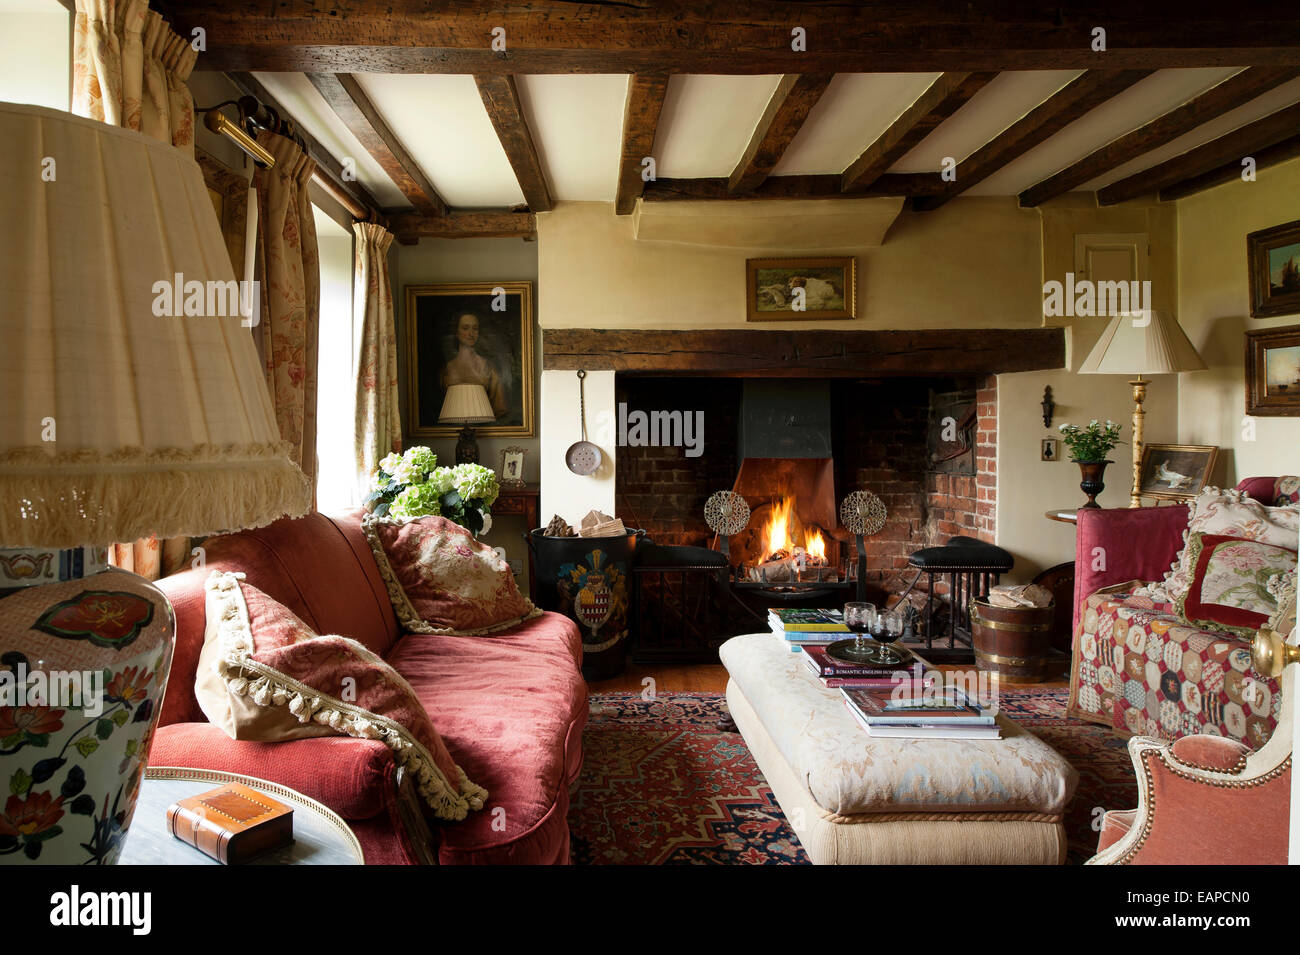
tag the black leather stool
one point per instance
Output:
(972, 566)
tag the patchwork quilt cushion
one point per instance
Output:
(1236, 584)
(265, 675)
(1228, 513)
(1144, 671)
(441, 580)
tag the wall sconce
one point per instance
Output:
(250, 112)
(1049, 406)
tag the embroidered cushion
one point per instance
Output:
(441, 580)
(1235, 584)
(1228, 513)
(1287, 490)
(265, 675)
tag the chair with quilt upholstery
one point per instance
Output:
(1208, 800)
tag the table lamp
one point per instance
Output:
(135, 405)
(466, 405)
(1142, 343)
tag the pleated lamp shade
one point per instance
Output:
(466, 404)
(1130, 347)
(134, 400)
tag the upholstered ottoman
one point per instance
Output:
(852, 799)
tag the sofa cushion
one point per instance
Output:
(511, 710)
(1235, 583)
(1231, 513)
(269, 659)
(442, 580)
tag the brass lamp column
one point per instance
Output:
(1141, 343)
(1139, 418)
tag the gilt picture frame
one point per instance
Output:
(510, 473)
(1273, 260)
(801, 289)
(1175, 472)
(471, 333)
(1273, 372)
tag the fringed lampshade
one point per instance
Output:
(135, 403)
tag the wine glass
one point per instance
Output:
(861, 618)
(891, 629)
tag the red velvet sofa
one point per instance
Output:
(511, 706)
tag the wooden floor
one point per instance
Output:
(712, 677)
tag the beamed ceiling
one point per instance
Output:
(451, 137)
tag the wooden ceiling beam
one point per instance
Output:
(1228, 149)
(1229, 172)
(327, 166)
(793, 99)
(353, 107)
(731, 36)
(1235, 91)
(949, 93)
(410, 227)
(1045, 120)
(500, 98)
(645, 99)
(791, 187)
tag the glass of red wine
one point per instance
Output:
(861, 618)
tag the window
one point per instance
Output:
(336, 478)
(36, 53)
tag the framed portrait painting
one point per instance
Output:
(474, 333)
(801, 289)
(1175, 472)
(1273, 372)
(1274, 261)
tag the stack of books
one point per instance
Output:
(800, 628)
(916, 712)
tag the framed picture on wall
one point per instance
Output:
(511, 471)
(1274, 263)
(1176, 472)
(801, 289)
(1273, 372)
(473, 333)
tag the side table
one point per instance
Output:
(1060, 581)
(526, 501)
(320, 836)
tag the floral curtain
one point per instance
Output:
(378, 424)
(289, 272)
(130, 70)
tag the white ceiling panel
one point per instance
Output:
(1258, 108)
(707, 121)
(1153, 96)
(855, 109)
(577, 125)
(443, 125)
(1003, 100)
(296, 94)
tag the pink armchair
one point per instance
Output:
(1207, 800)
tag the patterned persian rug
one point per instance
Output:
(662, 785)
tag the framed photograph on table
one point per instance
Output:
(511, 471)
(1176, 472)
(473, 333)
(1273, 372)
(1274, 262)
(801, 289)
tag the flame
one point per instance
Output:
(815, 544)
(777, 531)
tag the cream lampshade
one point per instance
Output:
(134, 405)
(466, 405)
(1144, 343)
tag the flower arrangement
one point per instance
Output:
(412, 485)
(1092, 443)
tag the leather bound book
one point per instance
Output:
(232, 823)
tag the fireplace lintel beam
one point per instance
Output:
(841, 354)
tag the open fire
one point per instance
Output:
(789, 549)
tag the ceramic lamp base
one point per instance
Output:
(83, 667)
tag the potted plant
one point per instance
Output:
(1088, 448)
(412, 485)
